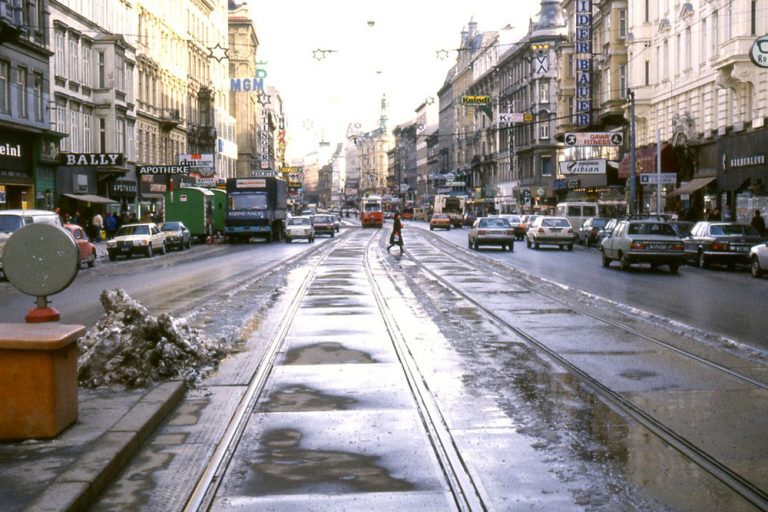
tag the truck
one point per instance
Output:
(194, 207)
(453, 206)
(256, 208)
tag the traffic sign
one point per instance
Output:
(652, 178)
(594, 139)
(759, 52)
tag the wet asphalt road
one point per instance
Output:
(730, 304)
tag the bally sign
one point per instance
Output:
(596, 166)
(93, 159)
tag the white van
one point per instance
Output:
(12, 220)
(577, 212)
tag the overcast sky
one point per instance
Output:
(397, 55)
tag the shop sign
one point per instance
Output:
(583, 61)
(14, 154)
(596, 166)
(10, 150)
(199, 163)
(748, 161)
(759, 52)
(475, 100)
(123, 187)
(163, 169)
(93, 159)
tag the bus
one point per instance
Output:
(371, 212)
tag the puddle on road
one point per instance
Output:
(298, 397)
(327, 353)
(284, 467)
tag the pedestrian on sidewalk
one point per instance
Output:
(758, 222)
(98, 225)
(396, 237)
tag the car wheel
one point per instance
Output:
(535, 245)
(287, 240)
(163, 249)
(624, 262)
(511, 247)
(754, 267)
(91, 260)
(606, 260)
(702, 260)
(469, 243)
(475, 246)
(149, 251)
(528, 243)
(431, 228)
(673, 267)
(570, 247)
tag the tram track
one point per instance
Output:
(732, 479)
(458, 479)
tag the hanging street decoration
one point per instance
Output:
(218, 52)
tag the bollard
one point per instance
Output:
(38, 379)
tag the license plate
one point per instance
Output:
(555, 230)
(740, 248)
(125, 249)
(657, 247)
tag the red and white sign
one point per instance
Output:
(594, 139)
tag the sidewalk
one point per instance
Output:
(67, 473)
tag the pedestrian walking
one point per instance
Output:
(97, 224)
(758, 222)
(396, 237)
(110, 225)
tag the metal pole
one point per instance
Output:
(658, 171)
(632, 160)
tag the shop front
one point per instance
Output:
(16, 171)
(742, 178)
(645, 163)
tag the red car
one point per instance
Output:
(84, 246)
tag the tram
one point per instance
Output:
(371, 212)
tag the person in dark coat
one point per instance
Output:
(396, 238)
(758, 222)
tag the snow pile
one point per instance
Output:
(131, 348)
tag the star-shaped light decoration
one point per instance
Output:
(442, 54)
(320, 54)
(430, 100)
(218, 52)
(264, 98)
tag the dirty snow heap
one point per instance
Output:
(131, 348)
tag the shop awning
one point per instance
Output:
(90, 198)
(693, 185)
(645, 161)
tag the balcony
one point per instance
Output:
(170, 118)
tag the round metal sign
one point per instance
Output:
(41, 259)
(759, 52)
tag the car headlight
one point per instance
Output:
(141, 242)
(111, 244)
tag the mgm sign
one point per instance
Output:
(583, 51)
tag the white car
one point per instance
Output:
(144, 238)
(299, 227)
(547, 230)
(758, 259)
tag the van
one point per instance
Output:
(13, 220)
(577, 212)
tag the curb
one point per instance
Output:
(78, 487)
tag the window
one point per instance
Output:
(120, 67)
(703, 42)
(74, 59)
(120, 135)
(647, 72)
(647, 17)
(623, 23)
(544, 127)
(5, 87)
(546, 166)
(102, 135)
(715, 32)
(60, 52)
(102, 73)
(86, 79)
(623, 81)
(753, 18)
(74, 130)
(38, 96)
(61, 125)
(87, 132)
(21, 92)
(687, 51)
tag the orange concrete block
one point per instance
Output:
(38, 379)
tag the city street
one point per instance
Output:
(352, 413)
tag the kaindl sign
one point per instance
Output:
(596, 166)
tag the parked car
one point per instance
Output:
(547, 230)
(516, 221)
(682, 227)
(323, 224)
(643, 241)
(588, 231)
(299, 228)
(605, 231)
(84, 246)
(141, 238)
(439, 221)
(176, 235)
(758, 259)
(491, 231)
(724, 243)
